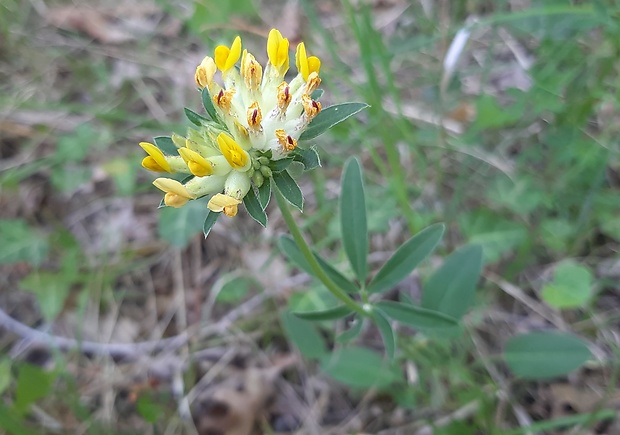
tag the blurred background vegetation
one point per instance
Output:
(512, 142)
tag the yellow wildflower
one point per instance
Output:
(176, 194)
(236, 156)
(227, 57)
(305, 64)
(224, 203)
(155, 161)
(198, 165)
(277, 51)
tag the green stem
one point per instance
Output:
(311, 259)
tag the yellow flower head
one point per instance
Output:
(236, 156)
(277, 51)
(224, 203)
(225, 57)
(155, 161)
(305, 64)
(205, 72)
(198, 165)
(176, 194)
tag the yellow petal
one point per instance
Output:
(198, 165)
(234, 154)
(149, 163)
(169, 185)
(305, 64)
(235, 53)
(225, 57)
(301, 60)
(221, 56)
(174, 200)
(205, 72)
(277, 50)
(314, 64)
(223, 203)
(157, 156)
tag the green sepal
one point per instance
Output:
(254, 207)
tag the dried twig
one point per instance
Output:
(128, 351)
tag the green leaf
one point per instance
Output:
(353, 332)
(208, 14)
(571, 286)
(51, 291)
(148, 409)
(304, 335)
(280, 165)
(177, 226)
(233, 287)
(329, 117)
(290, 249)
(13, 423)
(329, 314)
(207, 103)
(289, 189)
(210, 220)
(74, 146)
(21, 243)
(353, 218)
(383, 324)
(308, 157)
(195, 118)
(69, 178)
(495, 234)
(358, 367)
(406, 258)
(450, 290)
(165, 144)
(544, 355)
(317, 94)
(264, 193)
(5, 374)
(33, 383)
(254, 207)
(416, 316)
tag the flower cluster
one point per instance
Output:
(256, 120)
